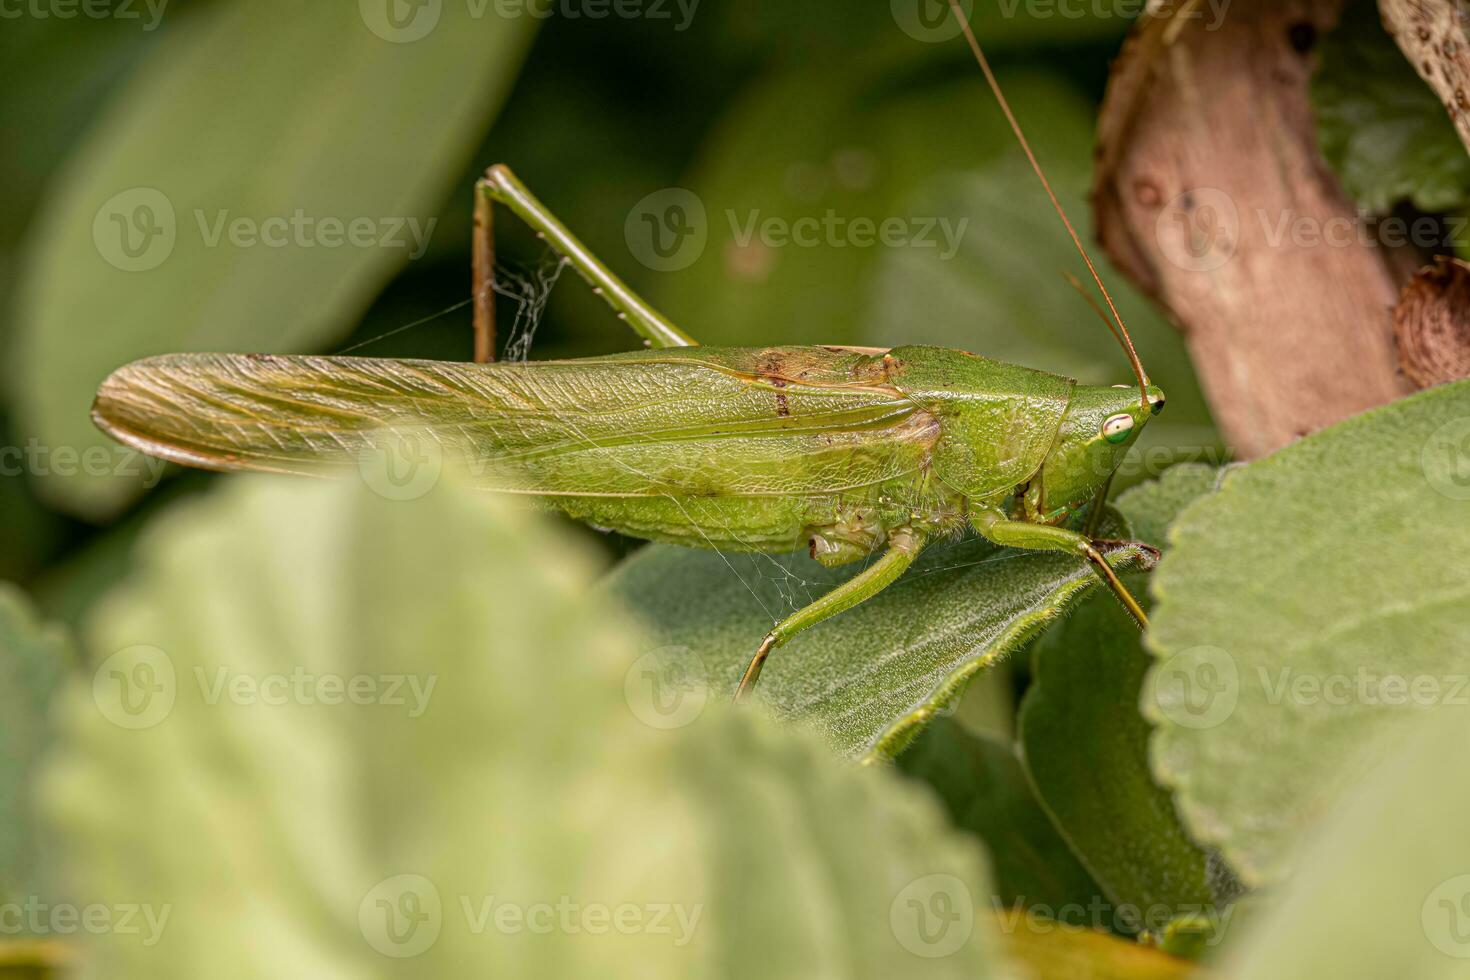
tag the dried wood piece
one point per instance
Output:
(1210, 193)
(1432, 323)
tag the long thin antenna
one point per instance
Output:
(1005, 107)
(1102, 315)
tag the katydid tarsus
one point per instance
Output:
(846, 451)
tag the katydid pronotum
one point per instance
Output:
(846, 451)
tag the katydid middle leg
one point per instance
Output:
(904, 546)
(994, 526)
(501, 186)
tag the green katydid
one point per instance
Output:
(846, 451)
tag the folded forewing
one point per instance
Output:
(702, 422)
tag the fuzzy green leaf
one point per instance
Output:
(1086, 744)
(871, 678)
(1382, 889)
(985, 791)
(1309, 609)
(519, 807)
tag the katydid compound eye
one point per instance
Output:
(1117, 427)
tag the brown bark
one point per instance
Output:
(1432, 324)
(1210, 194)
(1432, 35)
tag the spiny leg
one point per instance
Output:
(904, 546)
(1043, 537)
(501, 186)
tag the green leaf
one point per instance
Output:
(1152, 507)
(33, 660)
(871, 678)
(1086, 750)
(1308, 610)
(1085, 745)
(983, 788)
(286, 118)
(1380, 127)
(488, 817)
(1381, 889)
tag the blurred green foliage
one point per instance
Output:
(1380, 127)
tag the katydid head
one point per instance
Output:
(1100, 426)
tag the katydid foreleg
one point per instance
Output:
(995, 527)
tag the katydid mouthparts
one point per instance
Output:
(844, 451)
